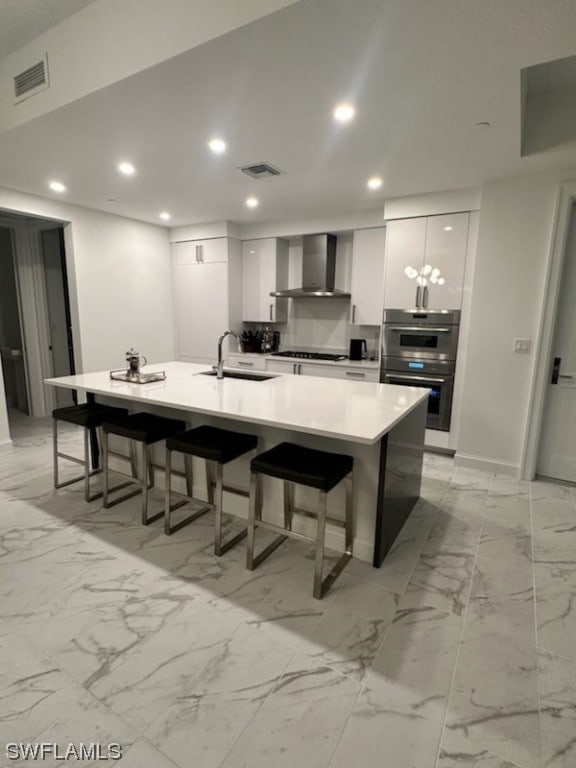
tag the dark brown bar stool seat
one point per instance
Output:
(146, 429)
(298, 465)
(88, 416)
(218, 447)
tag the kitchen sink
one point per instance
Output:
(246, 375)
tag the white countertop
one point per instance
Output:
(360, 412)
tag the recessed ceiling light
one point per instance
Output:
(344, 112)
(448, 229)
(374, 183)
(165, 216)
(482, 124)
(218, 146)
(252, 202)
(57, 186)
(127, 169)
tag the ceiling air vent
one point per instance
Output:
(260, 170)
(32, 80)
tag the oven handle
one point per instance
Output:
(423, 329)
(414, 378)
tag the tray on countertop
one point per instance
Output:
(138, 378)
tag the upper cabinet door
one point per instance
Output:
(368, 256)
(446, 244)
(405, 242)
(201, 251)
(264, 269)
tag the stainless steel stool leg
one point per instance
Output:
(189, 476)
(105, 502)
(349, 530)
(219, 547)
(288, 504)
(86, 464)
(321, 532)
(167, 478)
(254, 517)
(210, 482)
(147, 472)
(251, 521)
(169, 507)
(55, 450)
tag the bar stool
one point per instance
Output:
(297, 465)
(147, 429)
(218, 447)
(89, 416)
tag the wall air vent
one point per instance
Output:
(32, 80)
(260, 170)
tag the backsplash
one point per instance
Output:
(322, 325)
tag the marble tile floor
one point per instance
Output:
(460, 652)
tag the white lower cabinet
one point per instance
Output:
(247, 363)
(329, 371)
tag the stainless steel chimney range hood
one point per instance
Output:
(318, 271)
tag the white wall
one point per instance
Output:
(516, 221)
(119, 279)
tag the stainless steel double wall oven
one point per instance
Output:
(419, 350)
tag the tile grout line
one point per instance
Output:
(534, 602)
(457, 660)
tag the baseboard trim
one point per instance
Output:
(6, 446)
(483, 464)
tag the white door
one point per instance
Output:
(557, 450)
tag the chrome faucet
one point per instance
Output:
(220, 367)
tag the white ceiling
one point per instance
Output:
(23, 20)
(420, 73)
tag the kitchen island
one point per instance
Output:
(381, 426)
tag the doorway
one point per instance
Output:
(11, 340)
(557, 450)
(35, 319)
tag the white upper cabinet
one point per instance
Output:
(206, 280)
(437, 241)
(446, 244)
(264, 269)
(201, 251)
(367, 289)
(405, 242)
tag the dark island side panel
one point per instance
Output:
(401, 456)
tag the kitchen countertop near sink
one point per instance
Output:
(356, 411)
(344, 363)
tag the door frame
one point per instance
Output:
(565, 200)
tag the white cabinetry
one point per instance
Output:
(250, 363)
(441, 242)
(329, 371)
(206, 277)
(264, 269)
(367, 289)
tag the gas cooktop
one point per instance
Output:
(310, 355)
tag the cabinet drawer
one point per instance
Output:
(247, 363)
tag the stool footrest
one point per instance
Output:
(284, 531)
(76, 460)
(223, 548)
(169, 529)
(254, 562)
(331, 577)
(76, 479)
(125, 496)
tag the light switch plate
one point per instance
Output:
(522, 345)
